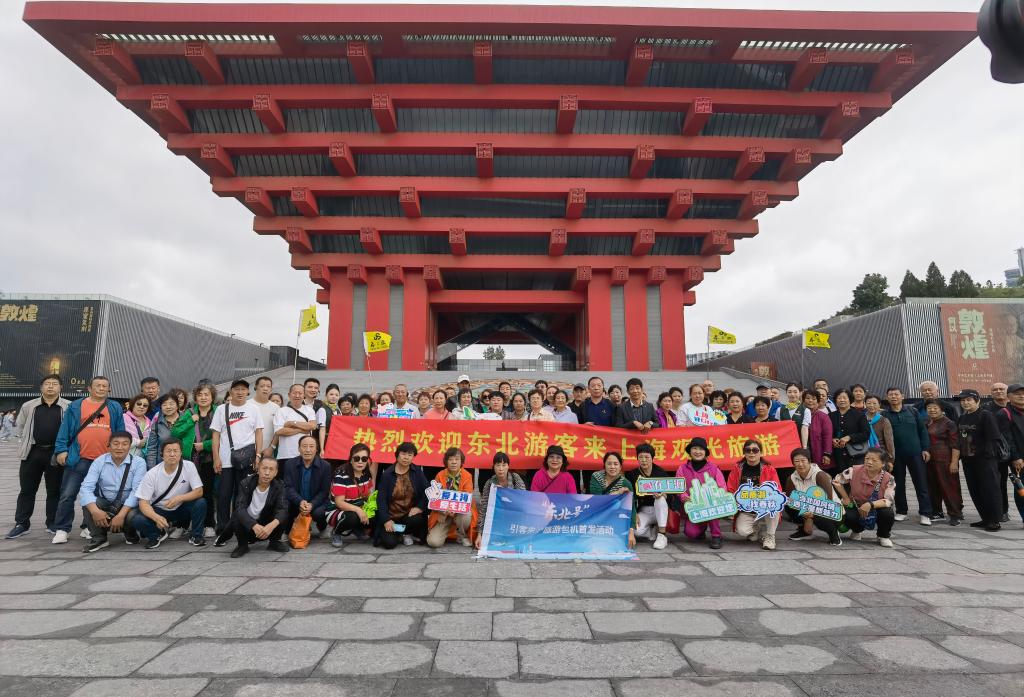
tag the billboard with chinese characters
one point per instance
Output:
(984, 343)
(764, 370)
(39, 337)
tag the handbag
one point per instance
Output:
(857, 450)
(244, 456)
(92, 417)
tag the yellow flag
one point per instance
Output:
(720, 336)
(307, 320)
(814, 339)
(376, 341)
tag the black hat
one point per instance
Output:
(973, 394)
(1001, 28)
(697, 442)
(554, 450)
(240, 383)
(579, 386)
(1014, 388)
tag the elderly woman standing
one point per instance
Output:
(137, 424)
(944, 464)
(167, 424)
(755, 470)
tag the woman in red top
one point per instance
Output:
(351, 488)
(754, 469)
(553, 478)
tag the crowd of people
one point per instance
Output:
(248, 465)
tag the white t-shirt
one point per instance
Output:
(259, 500)
(244, 421)
(288, 446)
(156, 481)
(267, 411)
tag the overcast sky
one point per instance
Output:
(94, 202)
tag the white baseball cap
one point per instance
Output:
(463, 378)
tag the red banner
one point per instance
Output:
(526, 441)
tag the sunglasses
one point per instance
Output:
(751, 450)
(360, 458)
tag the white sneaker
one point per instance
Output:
(900, 517)
(209, 532)
(768, 543)
(407, 540)
(176, 533)
(885, 541)
(855, 536)
(59, 538)
(661, 542)
(85, 534)
(925, 520)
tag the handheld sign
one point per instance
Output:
(447, 500)
(662, 485)
(763, 501)
(816, 502)
(709, 501)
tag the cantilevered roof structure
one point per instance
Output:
(456, 174)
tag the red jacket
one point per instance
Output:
(768, 474)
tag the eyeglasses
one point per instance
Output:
(752, 450)
(360, 458)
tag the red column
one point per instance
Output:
(599, 320)
(673, 331)
(415, 316)
(378, 311)
(339, 327)
(635, 305)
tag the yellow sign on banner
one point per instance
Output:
(814, 339)
(307, 320)
(720, 336)
(374, 342)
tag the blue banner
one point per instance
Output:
(533, 525)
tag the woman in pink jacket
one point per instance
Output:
(819, 440)
(693, 470)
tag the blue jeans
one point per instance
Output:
(70, 484)
(192, 512)
(919, 475)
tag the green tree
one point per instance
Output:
(935, 282)
(961, 285)
(912, 286)
(871, 294)
(494, 353)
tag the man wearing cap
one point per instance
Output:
(774, 409)
(979, 435)
(1011, 424)
(579, 393)
(238, 436)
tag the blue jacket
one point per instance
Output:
(319, 483)
(71, 424)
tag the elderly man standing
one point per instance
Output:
(999, 404)
(930, 390)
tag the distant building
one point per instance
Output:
(1013, 276)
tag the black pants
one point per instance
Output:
(244, 534)
(919, 475)
(1004, 480)
(227, 488)
(982, 475)
(106, 506)
(826, 525)
(204, 465)
(415, 525)
(886, 519)
(34, 468)
(349, 523)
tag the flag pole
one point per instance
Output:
(369, 371)
(707, 335)
(803, 349)
(298, 335)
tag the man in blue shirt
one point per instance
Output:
(597, 410)
(108, 492)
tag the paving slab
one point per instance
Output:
(278, 586)
(291, 687)
(1004, 583)
(75, 657)
(607, 625)
(922, 685)
(96, 567)
(798, 600)
(210, 585)
(126, 584)
(708, 687)
(581, 604)
(480, 569)
(476, 659)
(540, 626)
(598, 659)
(835, 583)
(124, 601)
(367, 659)
(903, 620)
(23, 566)
(466, 588)
(535, 588)
(980, 620)
(439, 687)
(988, 653)
(761, 565)
(292, 604)
(227, 624)
(360, 571)
(30, 584)
(901, 654)
(639, 586)
(1009, 685)
(462, 626)
(252, 566)
(779, 622)
(707, 602)
(565, 570)
(378, 589)
(1006, 600)
(481, 605)
(765, 657)
(42, 601)
(140, 623)
(52, 623)
(903, 583)
(285, 658)
(178, 687)
(351, 626)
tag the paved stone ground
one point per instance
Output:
(940, 615)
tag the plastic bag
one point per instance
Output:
(299, 535)
(674, 523)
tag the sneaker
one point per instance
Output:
(900, 517)
(716, 542)
(222, 539)
(939, 515)
(239, 551)
(925, 520)
(954, 521)
(154, 542)
(85, 534)
(465, 542)
(978, 524)
(196, 541)
(993, 527)
(660, 542)
(131, 537)
(337, 541)
(176, 533)
(834, 539)
(885, 541)
(59, 538)
(209, 532)
(17, 531)
(856, 536)
(407, 540)
(96, 545)
(277, 546)
(800, 534)
(1005, 518)
(768, 543)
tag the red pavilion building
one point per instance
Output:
(464, 174)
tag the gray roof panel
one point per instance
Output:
(431, 120)
(558, 71)
(225, 121)
(693, 168)
(330, 120)
(625, 208)
(763, 125)
(167, 70)
(627, 121)
(303, 165)
(745, 76)
(286, 71)
(576, 166)
(473, 207)
(422, 71)
(415, 165)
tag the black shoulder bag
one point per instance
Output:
(161, 497)
(117, 502)
(244, 456)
